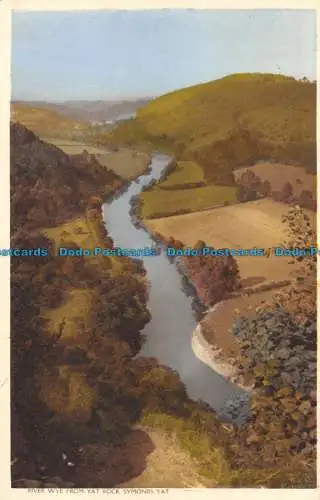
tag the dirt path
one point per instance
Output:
(167, 466)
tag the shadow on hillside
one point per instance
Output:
(105, 467)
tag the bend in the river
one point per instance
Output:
(169, 332)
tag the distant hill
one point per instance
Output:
(88, 111)
(230, 122)
(47, 122)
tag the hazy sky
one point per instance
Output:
(106, 54)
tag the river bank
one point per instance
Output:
(214, 357)
(213, 341)
(207, 353)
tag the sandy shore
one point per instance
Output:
(213, 357)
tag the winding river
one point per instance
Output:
(169, 333)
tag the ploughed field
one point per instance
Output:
(278, 174)
(246, 225)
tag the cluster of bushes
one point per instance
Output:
(279, 351)
(251, 187)
(214, 278)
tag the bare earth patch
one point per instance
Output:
(217, 324)
(167, 466)
(278, 174)
(145, 458)
(255, 224)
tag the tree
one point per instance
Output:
(214, 277)
(306, 199)
(301, 235)
(265, 188)
(287, 192)
(241, 193)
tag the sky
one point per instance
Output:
(109, 54)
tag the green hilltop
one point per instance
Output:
(234, 121)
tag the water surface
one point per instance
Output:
(169, 333)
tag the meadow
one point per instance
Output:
(162, 202)
(186, 173)
(125, 162)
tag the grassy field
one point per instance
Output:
(247, 225)
(75, 147)
(160, 202)
(125, 162)
(78, 230)
(187, 172)
(278, 174)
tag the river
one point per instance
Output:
(169, 333)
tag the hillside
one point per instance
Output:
(46, 122)
(231, 122)
(77, 387)
(47, 184)
(86, 111)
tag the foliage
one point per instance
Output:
(214, 277)
(301, 235)
(236, 120)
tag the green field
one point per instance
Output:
(160, 202)
(187, 172)
(75, 147)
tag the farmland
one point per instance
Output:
(161, 202)
(278, 174)
(76, 147)
(187, 172)
(125, 162)
(247, 225)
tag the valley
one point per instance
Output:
(120, 333)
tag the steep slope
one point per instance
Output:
(47, 185)
(231, 122)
